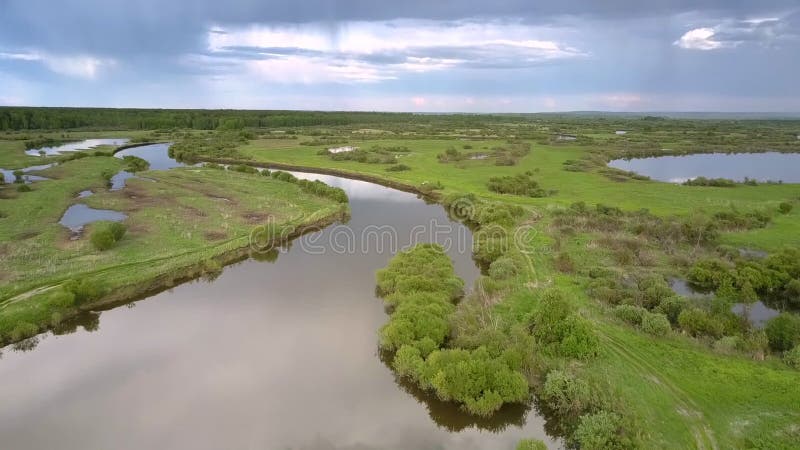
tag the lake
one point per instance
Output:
(768, 166)
(276, 354)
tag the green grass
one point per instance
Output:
(12, 145)
(682, 394)
(546, 162)
(200, 213)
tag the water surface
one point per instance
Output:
(756, 313)
(79, 215)
(156, 154)
(9, 177)
(769, 166)
(268, 355)
(86, 144)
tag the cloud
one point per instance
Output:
(764, 31)
(376, 51)
(79, 66)
(699, 39)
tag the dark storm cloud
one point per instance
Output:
(96, 51)
(166, 26)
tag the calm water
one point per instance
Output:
(769, 166)
(79, 215)
(9, 177)
(76, 146)
(156, 154)
(757, 313)
(268, 355)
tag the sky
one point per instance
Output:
(406, 55)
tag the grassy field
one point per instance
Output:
(681, 393)
(201, 213)
(547, 163)
(674, 390)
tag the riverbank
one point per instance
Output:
(181, 224)
(634, 370)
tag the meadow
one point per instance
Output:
(574, 305)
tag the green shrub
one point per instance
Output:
(520, 184)
(408, 361)
(135, 164)
(106, 234)
(117, 230)
(727, 345)
(398, 168)
(557, 326)
(630, 314)
(24, 188)
(672, 307)
(599, 431)
(244, 168)
(656, 324)
(102, 239)
(754, 343)
(783, 332)
(83, 290)
(697, 323)
(474, 378)
(564, 393)
(785, 208)
(23, 330)
(531, 444)
(792, 357)
(715, 182)
(503, 268)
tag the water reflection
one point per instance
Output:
(757, 314)
(118, 180)
(10, 177)
(79, 215)
(276, 354)
(766, 166)
(155, 154)
(86, 144)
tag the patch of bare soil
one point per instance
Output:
(215, 235)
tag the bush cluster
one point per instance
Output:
(520, 184)
(420, 285)
(135, 164)
(560, 330)
(105, 235)
(714, 182)
(777, 276)
(374, 155)
(315, 187)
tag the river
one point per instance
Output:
(276, 354)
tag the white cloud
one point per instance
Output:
(78, 66)
(375, 51)
(764, 31)
(699, 39)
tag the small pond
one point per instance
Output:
(757, 313)
(9, 177)
(769, 166)
(75, 146)
(79, 215)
